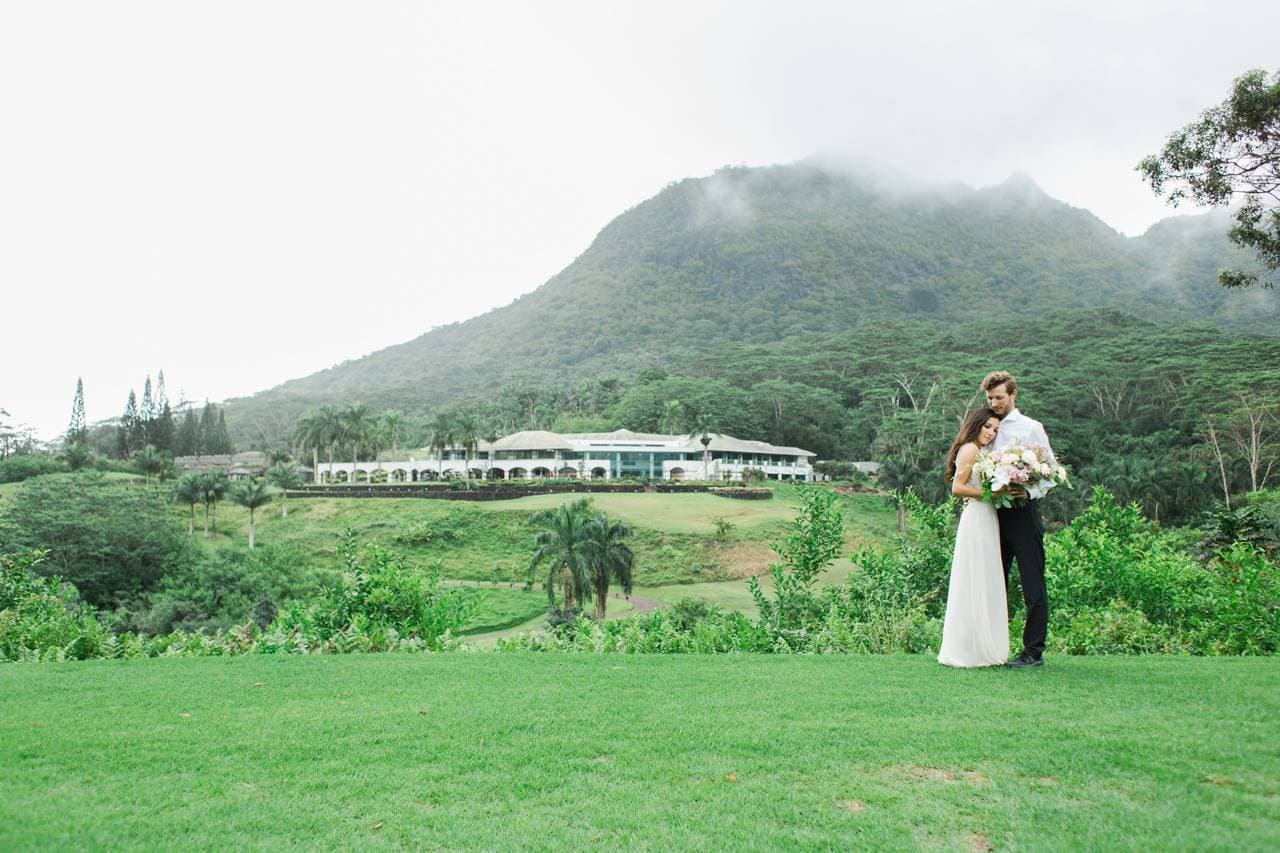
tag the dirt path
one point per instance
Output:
(644, 605)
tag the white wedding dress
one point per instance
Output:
(975, 631)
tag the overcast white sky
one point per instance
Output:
(240, 193)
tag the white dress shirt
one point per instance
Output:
(1017, 428)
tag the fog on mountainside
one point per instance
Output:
(759, 255)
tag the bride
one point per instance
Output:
(975, 631)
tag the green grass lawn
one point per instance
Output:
(504, 607)
(693, 513)
(556, 752)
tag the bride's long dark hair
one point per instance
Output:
(970, 431)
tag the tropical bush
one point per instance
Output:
(113, 542)
(1119, 584)
(380, 603)
(21, 466)
(1120, 579)
(43, 616)
(813, 541)
(657, 632)
(381, 598)
(222, 587)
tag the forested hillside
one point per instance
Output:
(754, 256)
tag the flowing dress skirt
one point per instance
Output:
(975, 631)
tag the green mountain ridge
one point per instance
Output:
(760, 255)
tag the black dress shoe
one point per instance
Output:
(1024, 661)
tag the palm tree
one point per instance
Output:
(896, 476)
(466, 432)
(1189, 487)
(251, 494)
(310, 434)
(376, 440)
(331, 431)
(215, 485)
(491, 432)
(672, 420)
(284, 478)
(442, 437)
(393, 421)
(701, 427)
(189, 490)
(149, 461)
(357, 424)
(609, 558)
(563, 544)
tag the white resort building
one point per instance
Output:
(595, 456)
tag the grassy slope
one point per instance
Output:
(677, 554)
(505, 751)
(7, 489)
(487, 541)
(470, 538)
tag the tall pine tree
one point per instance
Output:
(129, 435)
(147, 412)
(163, 431)
(208, 425)
(187, 441)
(162, 399)
(222, 438)
(77, 432)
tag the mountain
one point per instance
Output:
(756, 255)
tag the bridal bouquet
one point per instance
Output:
(1017, 465)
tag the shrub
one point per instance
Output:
(1242, 607)
(42, 618)
(113, 542)
(1112, 553)
(22, 466)
(226, 587)
(1257, 524)
(379, 599)
(1116, 629)
(687, 612)
(814, 540)
(649, 633)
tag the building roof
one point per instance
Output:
(529, 440)
(590, 441)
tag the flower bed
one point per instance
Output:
(744, 493)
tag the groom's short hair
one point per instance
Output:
(998, 378)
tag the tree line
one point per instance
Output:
(145, 429)
(1177, 419)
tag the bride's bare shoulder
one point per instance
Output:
(967, 453)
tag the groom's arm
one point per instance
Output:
(1040, 437)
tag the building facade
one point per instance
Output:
(535, 455)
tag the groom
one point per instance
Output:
(1021, 531)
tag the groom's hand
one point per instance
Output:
(1019, 492)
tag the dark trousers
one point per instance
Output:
(1022, 538)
